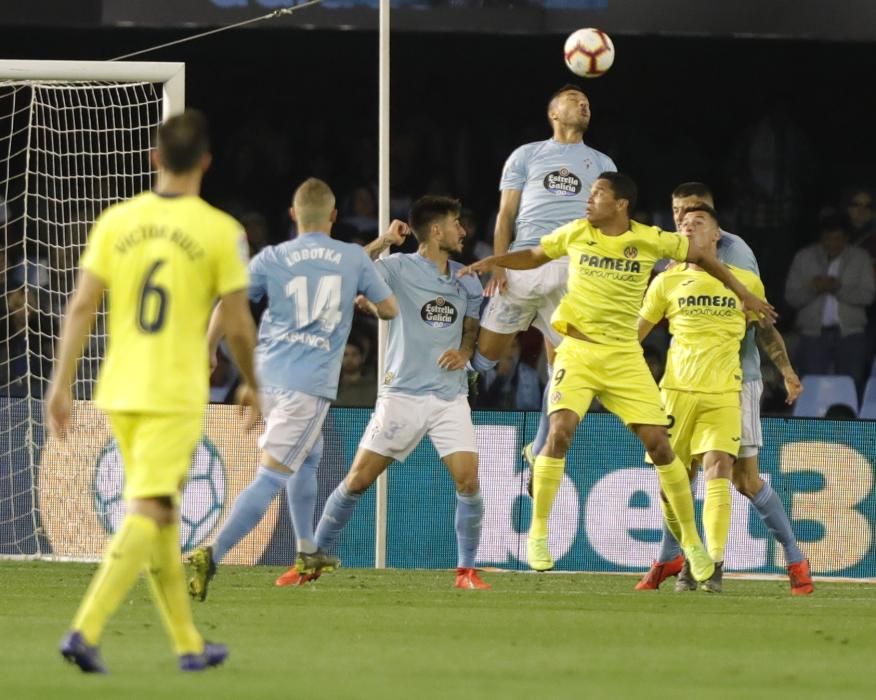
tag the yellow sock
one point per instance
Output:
(547, 474)
(716, 516)
(168, 583)
(670, 519)
(675, 484)
(127, 554)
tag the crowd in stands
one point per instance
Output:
(829, 315)
(824, 290)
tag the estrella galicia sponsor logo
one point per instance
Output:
(563, 183)
(439, 313)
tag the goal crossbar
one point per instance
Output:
(171, 75)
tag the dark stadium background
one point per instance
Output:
(672, 109)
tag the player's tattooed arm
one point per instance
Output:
(454, 359)
(771, 342)
(470, 329)
(395, 235)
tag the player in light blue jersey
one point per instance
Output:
(311, 284)
(733, 250)
(544, 186)
(424, 387)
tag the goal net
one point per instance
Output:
(74, 138)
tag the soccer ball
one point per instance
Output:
(202, 501)
(204, 495)
(589, 52)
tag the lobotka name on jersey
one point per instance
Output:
(296, 256)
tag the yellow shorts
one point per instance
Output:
(617, 375)
(156, 449)
(702, 423)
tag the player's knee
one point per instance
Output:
(468, 486)
(483, 362)
(358, 482)
(747, 484)
(658, 448)
(559, 440)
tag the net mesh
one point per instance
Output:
(67, 151)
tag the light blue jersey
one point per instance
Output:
(732, 250)
(311, 283)
(432, 307)
(554, 180)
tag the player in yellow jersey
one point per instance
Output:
(732, 250)
(610, 263)
(163, 257)
(703, 379)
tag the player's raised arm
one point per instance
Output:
(509, 206)
(77, 324)
(707, 260)
(396, 234)
(526, 259)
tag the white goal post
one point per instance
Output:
(75, 137)
(171, 76)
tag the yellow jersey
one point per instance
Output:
(707, 324)
(608, 276)
(164, 260)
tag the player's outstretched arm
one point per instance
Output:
(77, 324)
(706, 260)
(396, 234)
(238, 327)
(526, 259)
(771, 342)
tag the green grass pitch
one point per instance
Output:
(410, 634)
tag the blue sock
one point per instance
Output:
(669, 547)
(337, 513)
(480, 363)
(544, 421)
(249, 509)
(301, 490)
(770, 509)
(469, 515)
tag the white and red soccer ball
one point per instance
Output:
(589, 52)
